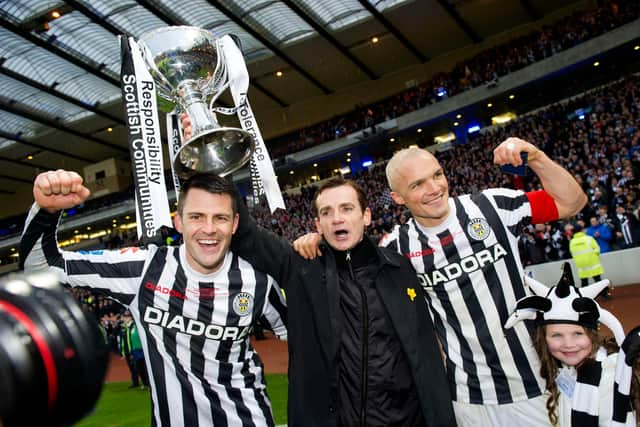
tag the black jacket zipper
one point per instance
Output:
(365, 345)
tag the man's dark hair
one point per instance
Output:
(339, 182)
(210, 183)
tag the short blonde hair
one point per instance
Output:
(398, 158)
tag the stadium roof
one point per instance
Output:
(59, 77)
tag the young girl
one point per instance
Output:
(588, 378)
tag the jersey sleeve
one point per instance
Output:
(116, 272)
(275, 311)
(390, 240)
(512, 206)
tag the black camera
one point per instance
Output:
(53, 357)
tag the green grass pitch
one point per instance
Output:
(120, 406)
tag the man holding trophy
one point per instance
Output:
(194, 304)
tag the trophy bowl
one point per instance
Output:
(222, 151)
(185, 65)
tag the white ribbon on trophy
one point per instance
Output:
(139, 96)
(174, 141)
(263, 176)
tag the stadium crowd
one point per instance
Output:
(486, 68)
(483, 68)
(601, 149)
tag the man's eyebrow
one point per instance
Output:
(421, 179)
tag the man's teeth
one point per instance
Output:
(434, 199)
(208, 242)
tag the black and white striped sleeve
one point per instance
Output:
(512, 206)
(116, 272)
(623, 414)
(275, 311)
(390, 240)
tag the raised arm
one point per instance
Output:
(52, 192)
(116, 272)
(556, 181)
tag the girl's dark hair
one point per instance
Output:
(211, 183)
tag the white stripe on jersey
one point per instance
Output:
(467, 276)
(509, 217)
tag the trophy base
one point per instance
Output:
(220, 151)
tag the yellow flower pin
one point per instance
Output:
(412, 293)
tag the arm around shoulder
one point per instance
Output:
(265, 250)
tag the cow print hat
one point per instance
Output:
(564, 303)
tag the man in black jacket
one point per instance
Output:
(362, 349)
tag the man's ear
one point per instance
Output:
(177, 222)
(397, 198)
(318, 229)
(236, 220)
(367, 217)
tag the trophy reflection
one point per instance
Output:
(188, 71)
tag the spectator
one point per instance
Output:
(575, 362)
(131, 351)
(586, 255)
(626, 227)
(601, 232)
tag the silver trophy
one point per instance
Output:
(187, 68)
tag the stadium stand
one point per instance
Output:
(485, 68)
(596, 135)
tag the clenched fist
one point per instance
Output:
(508, 152)
(56, 190)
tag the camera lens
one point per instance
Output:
(53, 357)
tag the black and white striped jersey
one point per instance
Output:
(194, 328)
(470, 268)
(598, 392)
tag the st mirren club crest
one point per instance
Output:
(243, 304)
(478, 229)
